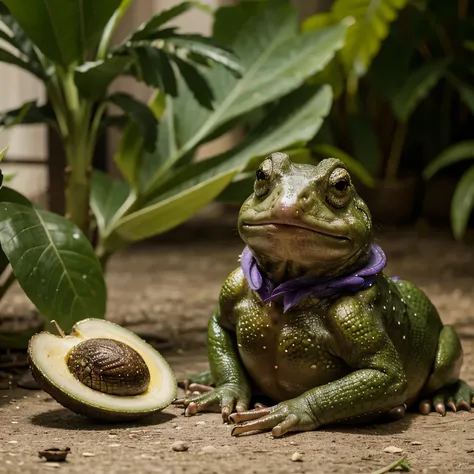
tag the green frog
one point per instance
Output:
(309, 330)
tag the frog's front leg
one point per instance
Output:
(232, 390)
(376, 386)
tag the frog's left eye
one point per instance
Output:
(339, 188)
(263, 175)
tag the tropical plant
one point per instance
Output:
(395, 82)
(164, 184)
(462, 203)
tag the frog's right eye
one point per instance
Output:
(263, 175)
(260, 174)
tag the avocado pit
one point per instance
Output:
(109, 366)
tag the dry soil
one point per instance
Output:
(169, 289)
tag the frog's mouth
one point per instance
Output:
(285, 227)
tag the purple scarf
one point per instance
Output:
(295, 290)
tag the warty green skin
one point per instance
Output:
(353, 358)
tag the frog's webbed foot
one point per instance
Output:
(280, 419)
(224, 399)
(459, 396)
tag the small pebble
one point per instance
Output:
(13, 442)
(393, 450)
(52, 464)
(416, 443)
(297, 457)
(198, 423)
(209, 449)
(88, 455)
(179, 446)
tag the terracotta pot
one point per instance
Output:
(393, 202)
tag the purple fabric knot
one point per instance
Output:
(293, 291)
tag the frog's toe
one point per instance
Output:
(266, 422)
(199, 388)
(459, 396)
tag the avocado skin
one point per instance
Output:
(83, 409)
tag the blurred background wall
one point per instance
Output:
(30, 146)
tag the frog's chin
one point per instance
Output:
(305, 247)
(283, 231)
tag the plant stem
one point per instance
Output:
(110, 28)
(390, 467)
(396, 151)
(8, 282)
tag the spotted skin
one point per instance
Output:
(362, 356)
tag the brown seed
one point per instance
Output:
(109, 366)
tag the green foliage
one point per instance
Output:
(54, 263)
(370, 24)
(462, 203)
(256, 61)
(416, 87)
(167, 186)
(396, 81)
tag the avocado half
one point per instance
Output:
(48, 355)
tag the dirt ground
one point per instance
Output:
(169, 289)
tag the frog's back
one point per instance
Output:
(413, 324)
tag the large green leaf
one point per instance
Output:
(206, 48)
(462, 203)
(169, 213)
(276, 59)
(196, 83)
(371, 25)
(459, 152)
(54, 263)
(107, 197)
(417, 87)
(9, 195)
(63, 29)
(94, 77)
(296, 119)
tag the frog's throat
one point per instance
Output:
(293, 291)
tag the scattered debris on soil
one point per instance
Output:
(393, 450)
(179, 446)
(297, 457)
(54, 454)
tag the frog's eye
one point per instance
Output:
(339, 188)
(263, 175)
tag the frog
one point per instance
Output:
(309, 330)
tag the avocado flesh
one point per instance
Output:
(48, 356)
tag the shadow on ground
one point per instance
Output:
(64, 419)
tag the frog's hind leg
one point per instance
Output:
(444, 388)
(202, 382)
